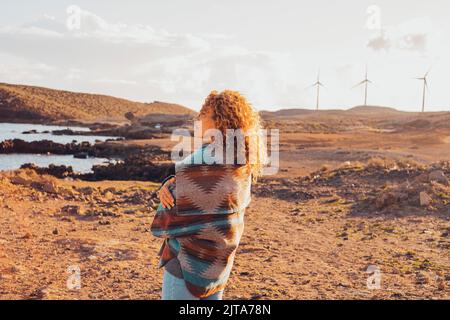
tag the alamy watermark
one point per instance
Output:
(73, 21)
(373, 21)
(231, 149)
(74, 279)
(374, 279)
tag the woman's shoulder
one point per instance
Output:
(198, 156)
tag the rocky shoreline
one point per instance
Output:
(143, 163)
(101, 150)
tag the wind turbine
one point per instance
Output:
(365, 82)
(425, 88)
(318, 84)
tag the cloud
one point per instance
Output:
(91, 26)
(14, 69)
(413, 36)
(28, 31)
(140, 62)
(116, 81)
(84, 24)
(380, 42)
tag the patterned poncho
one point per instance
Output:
(206, 223)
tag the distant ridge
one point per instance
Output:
(373, 110)
(358, 111)
(297, 111)
(367, 117)
(292, 112)
(30, 103)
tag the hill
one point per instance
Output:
(368, 110)
(29, 103)
(359, 117)
(286, 113)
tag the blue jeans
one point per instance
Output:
(175, 289)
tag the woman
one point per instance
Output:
(202, 207)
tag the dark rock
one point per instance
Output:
(30, 132)
(81, 155)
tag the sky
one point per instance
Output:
(271, 51)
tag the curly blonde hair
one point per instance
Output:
(231, 110)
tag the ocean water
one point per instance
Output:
(14, 161)
(14, 131)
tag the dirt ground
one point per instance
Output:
(311, 231)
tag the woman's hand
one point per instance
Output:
(165, 196)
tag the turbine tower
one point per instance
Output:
(317, 84)
(425, 88)
(365, 82)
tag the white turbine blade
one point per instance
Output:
(310, 86)
(358, 84)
